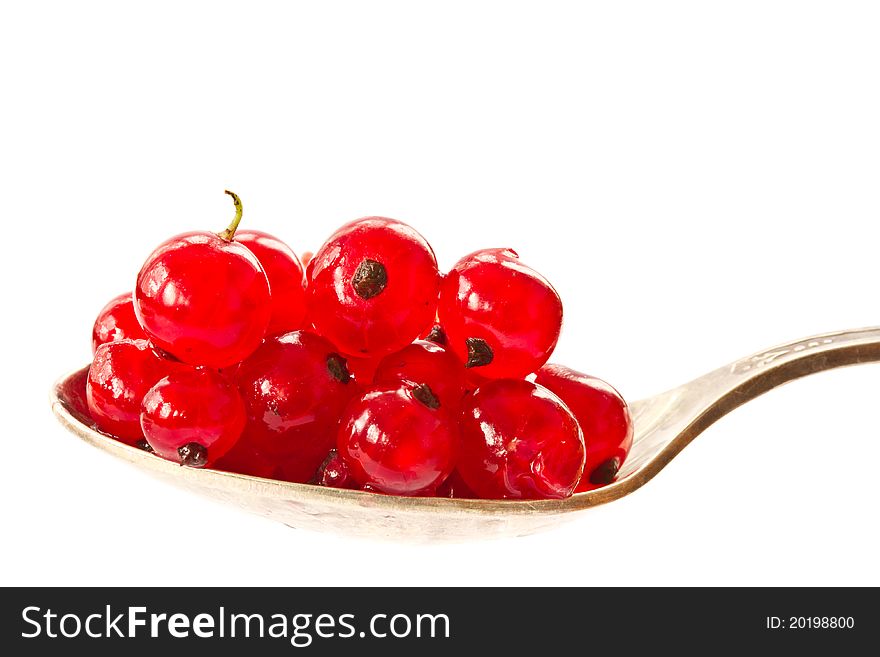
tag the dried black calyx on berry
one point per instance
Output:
(338, 368)
(437, 336)
(425, 395)
(319, 473)
(479, 352)
(144, 445)
(604, 473)
(370, 279)
(193, 455)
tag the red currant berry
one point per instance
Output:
(243, 458)
(116, 321)
(373, 287)
(398, 440)
(425, 362)
(192, 417)
(603, 416)
(335, 473)
(519, 441)
(120, 375)
(287, 282)
(501, 317)
(294, 387)
(204, 298)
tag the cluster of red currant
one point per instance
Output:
(366, 368)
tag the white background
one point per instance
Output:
(699, 180)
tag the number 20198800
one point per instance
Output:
(811, 623)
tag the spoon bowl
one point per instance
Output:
(663, 425)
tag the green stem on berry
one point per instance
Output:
(229, 233)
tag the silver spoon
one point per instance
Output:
(664, 425)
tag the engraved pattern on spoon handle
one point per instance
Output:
(689, 409)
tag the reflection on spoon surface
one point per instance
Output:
(664, 425)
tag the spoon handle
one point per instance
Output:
(754, 375)
(669, 421)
